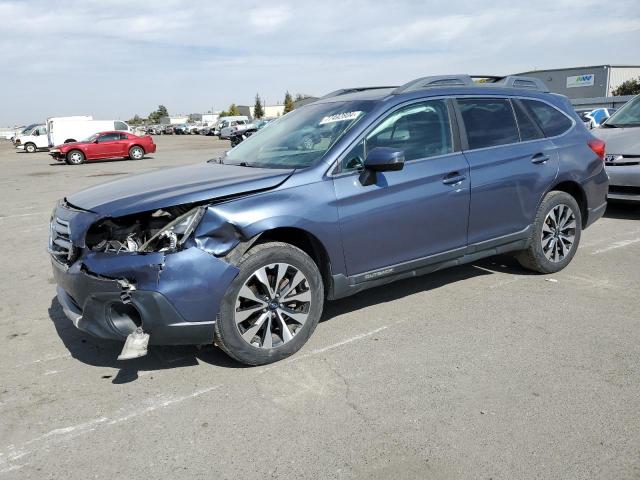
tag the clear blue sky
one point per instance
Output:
(113, 59)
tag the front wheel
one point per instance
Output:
(30, 147)
(75, 157)
(272, 307)
(136, 153)
(555, 236)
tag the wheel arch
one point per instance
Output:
(305, 241)
(577, 192)
(137, 145)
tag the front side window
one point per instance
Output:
(301, 137)
(420, 130)
(121, 126)
(627, 116)
(551, 120)
(489, 122)
(109, 137)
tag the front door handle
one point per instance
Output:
(453, 178)
(539, 158)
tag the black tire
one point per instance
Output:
(136, 152)
(227, 334)
(75, 157)
(534, 258)
(30, 147)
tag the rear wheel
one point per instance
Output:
(272, 307)
(555, 236)
(136, 153)
(30, 147)
(75, 157)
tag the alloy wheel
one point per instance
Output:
(76, 157)
(273, 305)
(137, 153)
(558, 233)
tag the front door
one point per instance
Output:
(417, 212)
(108, 146)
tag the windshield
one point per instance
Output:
(301, 137)
(627, 116)
(91, 139)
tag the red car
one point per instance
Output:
(104, 145)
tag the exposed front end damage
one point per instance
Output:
(157, 271)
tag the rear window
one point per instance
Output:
(551, 120)
(489, 122)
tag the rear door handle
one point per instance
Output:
(453, 178)
(539, 158)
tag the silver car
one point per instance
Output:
(621, 133)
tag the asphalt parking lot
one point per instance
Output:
(482, 371)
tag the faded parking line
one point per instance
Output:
(615, 245)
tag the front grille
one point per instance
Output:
(611, 160)
(60, 245)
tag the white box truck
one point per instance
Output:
(75, 130)
(33, 140)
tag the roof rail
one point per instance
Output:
(510, 81)
(345, 91)
(435, 81)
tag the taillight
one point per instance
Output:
(597, 146)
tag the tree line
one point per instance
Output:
(258, 109)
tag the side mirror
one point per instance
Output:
(381, 159)
(36, 133)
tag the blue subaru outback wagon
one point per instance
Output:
(360, 188)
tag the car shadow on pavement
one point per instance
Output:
(621, 210)
(403, 288)
(103, 353)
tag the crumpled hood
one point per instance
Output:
(620, 141)
(175, 186)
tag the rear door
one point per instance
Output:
(511, 164)
(420, 211)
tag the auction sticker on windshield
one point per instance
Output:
(340, 117)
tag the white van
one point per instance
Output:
(33, 140)
(65, 130)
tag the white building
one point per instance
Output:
(208, 118)
(174, 120)
(270, 111)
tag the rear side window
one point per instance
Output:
(489, 122)
(552, 121)
(529, 130)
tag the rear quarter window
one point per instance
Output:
(489, 122)
(551, 120)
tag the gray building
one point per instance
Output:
(589, 82)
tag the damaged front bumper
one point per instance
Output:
(175, 297)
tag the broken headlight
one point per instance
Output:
(175, 233)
